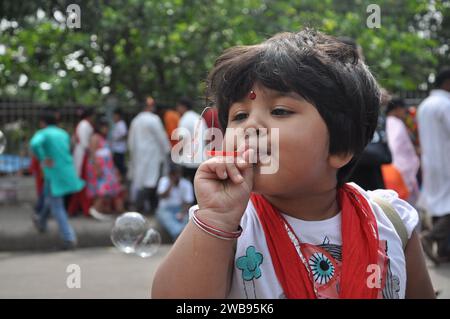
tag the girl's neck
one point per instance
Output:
(309, 207)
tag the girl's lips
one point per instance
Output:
(223, 153)
(262, 155)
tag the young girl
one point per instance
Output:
(301, 232)
(103, 185)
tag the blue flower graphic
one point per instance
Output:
(249, 264)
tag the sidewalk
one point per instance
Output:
(17, 232)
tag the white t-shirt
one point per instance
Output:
(254, 275)
(182, 193)
(118, 136)
(83, 133)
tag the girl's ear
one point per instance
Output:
(339, 160)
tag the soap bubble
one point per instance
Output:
(132, 234)
(128, 229)
(2, 142)
(148, 244)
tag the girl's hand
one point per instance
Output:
(223, 189)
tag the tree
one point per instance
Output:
(131, 48)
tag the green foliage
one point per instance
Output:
(131, 48)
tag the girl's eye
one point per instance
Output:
(240, 116)
(281, 112)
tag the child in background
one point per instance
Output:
(103, 186)
(301, 232)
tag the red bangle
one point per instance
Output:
(214, 231)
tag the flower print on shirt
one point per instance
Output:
(250, 267)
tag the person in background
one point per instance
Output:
(82, 136)
(119, 142)
(211, 118)
(404, 157)
(193, 126)
(149, 148)
(51, 145)
(367, 172)
(36, 170)
(176, 195)
(434, 131)
(170, 119)
(103, 186)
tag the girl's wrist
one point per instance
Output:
(219, 220)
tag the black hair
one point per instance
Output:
(86, 112)
(325, 71)
(349, 41)
(48, 116)
(175, 168)
(186, 101)
(394, 103)
(442, 76)
(99, 123)
(161, 107)
(119, 112)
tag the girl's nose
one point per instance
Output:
(255, 121)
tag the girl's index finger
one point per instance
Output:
(247, 159)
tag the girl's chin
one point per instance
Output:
(264, 183)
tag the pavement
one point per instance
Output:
(17, 232)
(31, 266)
(103, 273)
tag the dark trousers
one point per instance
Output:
(147, 194)
(189, 174)
(119, 163)
(441, 234)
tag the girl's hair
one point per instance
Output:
(100, 123)
(325, 71)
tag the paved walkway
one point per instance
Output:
(104, 273)
(17, 232)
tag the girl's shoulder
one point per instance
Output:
(407, 213)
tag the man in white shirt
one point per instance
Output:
(119, 142)
(149, 148)
(176, 195)
(82, 136)
(434, 132)
(81, 139)
(193, 123)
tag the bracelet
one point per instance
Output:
(214, 231)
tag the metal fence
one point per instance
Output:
(19, 120)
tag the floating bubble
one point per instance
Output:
(2, 142)
(148, 244)
(129, 229)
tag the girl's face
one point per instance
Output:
(104, 130)
(304, 163)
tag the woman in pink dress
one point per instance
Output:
(103, 183)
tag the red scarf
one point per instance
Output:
(359, 247)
